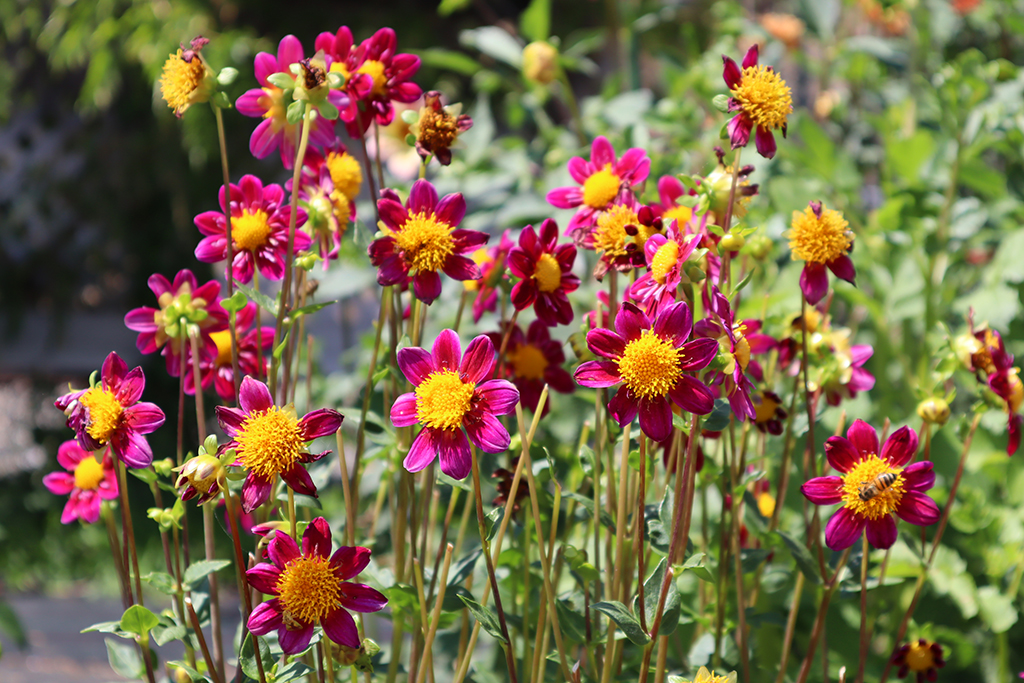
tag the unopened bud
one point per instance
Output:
(933, 410)
(540, 62)
(732, 242)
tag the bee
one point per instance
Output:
(870, 489)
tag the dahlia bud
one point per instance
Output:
(200, 476)
(540, 62)
(732, 242)
(934, 410)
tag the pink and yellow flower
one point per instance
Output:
(259, 230)
(866, 502)
(533, 360)
(650, 359)
(254, 346)
(421, 239)
(110, 413)
(761, 100)
(546, 271)
(601, 180)
(87, 482)
(453, 392)
(666, 254)
(820, 237)
(272, 441)
(267, 102)
(311, 587)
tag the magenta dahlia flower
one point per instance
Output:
(666, 254)
(87, 481)
(546, 271)
(821, 238)
(533, 360)
(421, 239)
(453, 392)
(111, 413)
(182, 303)
(601, 180)
(761, 100)
(272, 441)
(651, 360)
(736, 350)
(267, 102)
(312, 587)
(253, 346)
(872, 485)
(259, 228)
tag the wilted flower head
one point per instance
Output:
(761, 99)
(186, 79)
(437, 127)
(203, 475)
(820, 237)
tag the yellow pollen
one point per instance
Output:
(529, 362)
(180, 82)
(269, 442)
(88, 474)
(680, 214)
(443, 399)
(308, 588)
(610, 235)
(920, 657)
(345, 174)
(426, 241)
(104, 413)
(819, 240)
(250, 230)
(705, 676)
(742, 351)
(650, 365)
(764, 97)
(223, 341)
(664, 261)
(600, 188)
(375, 70)
(547, 274)
(865, 472)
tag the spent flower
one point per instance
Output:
(437, 128)
(922, 657)
(186, 79)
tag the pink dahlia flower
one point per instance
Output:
(420, 239)
(311, 587)
(666, 254)
(272, 441)
(267, 102)
(546, 271)
(872, 485)
(761, 100)
(453, 392)
(254, 348)
(259, 228)
(650, 359)
(111, 413)
(601, 180)
(87, 482)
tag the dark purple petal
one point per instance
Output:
(524, 293)
(697, 354)
(282, 549)
(598, 374)
(843, 529)
(415, 363)
(814, 282)
(499, 396)
(623, 406)
(453, 452)
(319, 423)
(842, 455)
(422, 197)
(692, 395)
(451, 209)
(731, 72)
(630, 322)
(348, 561)
(361, 598)
(479, 362)
(917, 508)
(864, 438)
(823, 490)
(750, 59)
(253, 396)
(298, 480)
(340, 627)
(843, 268)
(764, 141)
(403, 411)
(265, 617)
(392, 213)
(426, 285)
(739, 128)
(487, 433)
(881, 532)
(674, 323)
(461, 268)
(447, 351)
(919, 477)
(255, 492)
(656, 418)
(316, 539)
(264, 577)
(294, 642)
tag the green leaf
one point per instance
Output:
(449, 60)
(996, 610)
(652, 595)
(802, 556)
(449, 6)
(105, 627)
(495, 42)
(485, 617)
(147, 475)
(588, 505)
(295, 669)
(719, 417)
(535, 22)
(451, 602)
(247, 657)
(235, 303)
(327, 110)
(494, 518)
(282, 81)
(262, 300)
(192, 673)
(138, 620)
(624, 619)
(164, 634)
(295, 112)
(463, 568)
(310, 309)
(198, 570)
(659, 528)
(227, 75)
(443, 478)
(680, 423)
(404, 599)
(124, 660)
(162, 581)
(751, 558)
(906, 157)
(573, 625)
(695, 563)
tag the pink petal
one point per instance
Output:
(255, 492)
(498, 395)
(917, 508)
(422, 452)
(264, 139)
(447, 351)
(606, 343)
(322, 422)
(863, 437)
(900, 447)
(674, 323)
(692, 396)
(765, 142)
(881, 532)
(340, 627)
(265, 617)
(479, 362)
(697, 354)
(264, 577)
(422, 197)
(823, 490)
(289, 51)
(487, 433)
(133, 449)
(451, 209)
(814, 282)
(415, 363)
(598, 374)
(392, 213)
(731, 73)
(249, 103)
(602, 152)
(230, 419)
(623, 406)
(264, 65)
(294, 642)
(843, 529)
(254, 396)
(70, 454)
(141, 320)
(841, 454)
(403, 411)
(453, 452)
(282, 549)
(630, 322)
(59, 483)
(143, 417)
(579, 170)
(750, 59)
(565, 197)
(919, 477)
(348, 561)
(361, 598)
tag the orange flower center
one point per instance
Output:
(88, 474)
(425, 241)
(269, 442)
(548, 273)
(600, 188)
(920, 657)
(650, 365)
(764, 97)
(309, 589)
(443, 399)
(865, 481)
(250, 230)
(819, 240)
(105, 413)
(529, 362)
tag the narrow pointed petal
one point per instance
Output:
(348, 561)
(340, 627)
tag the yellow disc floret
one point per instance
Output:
(650, 365)
(443, 399)
(223, 341)
(375, 70)
(865, 473)
(250, 230)
(105, 413)
(920, 656)
(610, 236)
(308, 588)
(345, 173)
(548, 274)
(88, 474)
(528, 361)
(182, 83)
(665, 259)
(600, 188)
(269, 442)
(705, 676)
(425, 241)
(764, 97)
(819, 240)
(680, 214)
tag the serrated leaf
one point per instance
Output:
(247, 656)
(624, 619)
(485, 617)
(138, 620)
(197, 571)
(802, 556)
(124, 660)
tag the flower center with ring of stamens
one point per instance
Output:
(764, 97)
(269, 442)
(664, 261)
(548, 274)
(610, 235)
(650, 365)
(250, 230)
(920, 657)
(180, 80)
(425, 241)
(375, 70)
(866, 472)
(601, 187)
(529, 362)
(443, 399)
(308, 589)
(105, 413)
(88, 474)
(819, 240)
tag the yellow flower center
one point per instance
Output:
(481, 258)
(819, 240)
(705, 676)
(342, 207)
(650, 365)
(765, 409)
(664, 260)
(180, 81)
(920, 657)
(250, 230)
(610, 236)
(1016, 390)
(600, 188)
(866, 474)
(426, 241)
(104, 413)
(680, 214)
(269, 442)
(548, 274)
(88, 474)
(223, 341)
(375, 70)
(443, 399)
(764, 97)
(528, 362)
(766, 504)
(308, 589)
(345, 173)
(273, 99)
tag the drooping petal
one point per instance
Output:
(882, 532)
(900, 447)
(403, 411)
(132, 448)
(764, 141)
(814, 282)
(864, 438)
(499, 396)
(453, 452)
(340, 627)
(656, 419)
(843, 529)
(739, 128)
(623, 406)
(479, 362)
(841, 454)
(917, 508)
(487, 433)
(731, 72)
(348, 561)
(823, 490)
